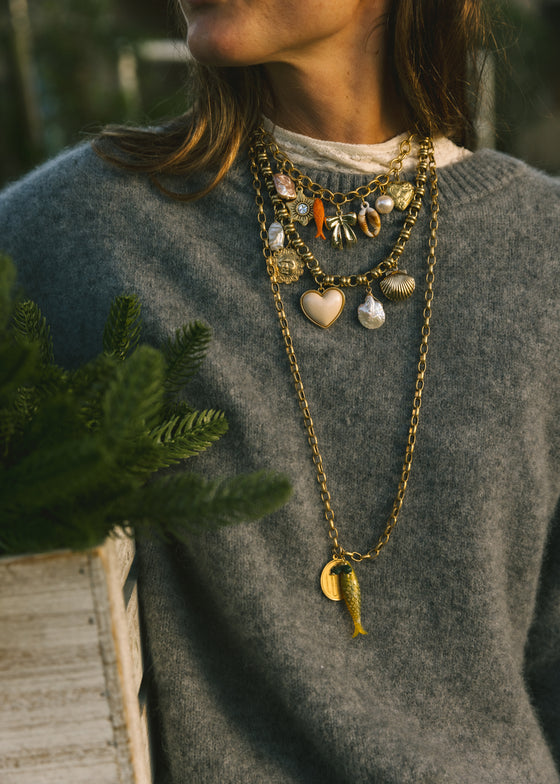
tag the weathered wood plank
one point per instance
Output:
(69, 670)
(123, 663)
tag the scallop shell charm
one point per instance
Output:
(397, 285)
(370, 313)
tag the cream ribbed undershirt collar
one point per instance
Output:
(363, 158)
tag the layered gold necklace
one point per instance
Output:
(295, 198)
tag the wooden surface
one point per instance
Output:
(70, 669)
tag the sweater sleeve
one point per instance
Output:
(543, 649)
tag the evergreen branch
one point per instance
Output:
(77, 448)
(183, 504)
(122, 328)
(26, 403)
(10, 427)
(90, 383)
(19, 366)
(182, 437)
(134, 396)
(184, 355)
(7, 281)
(30, 326)
(57, 473)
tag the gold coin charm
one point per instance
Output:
(288, 266)
(330, 583)
(401, 193)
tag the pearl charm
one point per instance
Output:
(275, 236)
(370, 313)
(384, 204)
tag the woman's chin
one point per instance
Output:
(210, 51)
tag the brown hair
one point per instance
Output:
(432, 48)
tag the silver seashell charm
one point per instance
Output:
(370, 313)
(397, 285)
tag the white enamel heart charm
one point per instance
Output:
(323, 308)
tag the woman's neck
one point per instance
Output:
(354, 103)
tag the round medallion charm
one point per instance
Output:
(289, 266)
(330, 583)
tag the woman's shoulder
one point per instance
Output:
(500, 180)
(76, 175)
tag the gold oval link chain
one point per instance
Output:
(335, 197)
(390, 262)
(338, 550)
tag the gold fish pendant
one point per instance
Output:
(339, 581)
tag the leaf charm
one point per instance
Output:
(340, 224)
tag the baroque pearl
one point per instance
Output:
(384, 204)
(370, 313)
(284, 186)
(275, 236)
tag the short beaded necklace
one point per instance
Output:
(338, 579)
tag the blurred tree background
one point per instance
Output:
(67, 68)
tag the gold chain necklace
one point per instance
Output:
(338, 579)
(380, 182)
(325, 305)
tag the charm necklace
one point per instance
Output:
(338, 579)
(324, 305)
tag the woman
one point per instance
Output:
(453, 672)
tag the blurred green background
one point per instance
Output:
(69, 66)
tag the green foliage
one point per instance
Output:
(122, 329)
(80, 450)
(184, 355)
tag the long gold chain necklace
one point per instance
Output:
(338, 579)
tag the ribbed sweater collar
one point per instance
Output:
(474, 177)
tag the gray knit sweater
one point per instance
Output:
(256, 675)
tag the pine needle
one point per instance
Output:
(184, 355)
(30, 326)
(122, 329)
